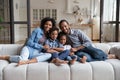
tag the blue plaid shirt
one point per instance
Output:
(78, 38)
(53, 43)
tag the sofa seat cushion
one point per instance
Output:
(35, 71)
(116, 67)
(59, 72)
(3, 64)
(80, 71)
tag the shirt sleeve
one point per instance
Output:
(33, 42)
(86, 41)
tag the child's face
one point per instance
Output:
(54, 35)
(63, 40)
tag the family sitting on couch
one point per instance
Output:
(46, 43)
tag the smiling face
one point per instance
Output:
(63, 39)
(47, 26)
(64, 26)
(54, 35)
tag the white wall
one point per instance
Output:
(64, 7)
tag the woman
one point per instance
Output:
(32, 51)
(81, 43)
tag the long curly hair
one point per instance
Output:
(44, 20)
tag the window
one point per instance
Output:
(39, 14)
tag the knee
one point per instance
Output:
(49, 55)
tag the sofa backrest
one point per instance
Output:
(103, 46)
(14, 49)
(10, 49)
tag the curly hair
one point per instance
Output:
(44, 20)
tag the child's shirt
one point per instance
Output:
(53, 43)
(66, 47)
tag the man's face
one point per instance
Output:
(65, 27)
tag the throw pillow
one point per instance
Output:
(115, 49)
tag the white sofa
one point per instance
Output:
(97, 70)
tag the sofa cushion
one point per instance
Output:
(13, 72)
(59, 72)
(10, 49)
(115, 49)
(3, 64)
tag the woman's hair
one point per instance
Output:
(44, 20)
(63, 21)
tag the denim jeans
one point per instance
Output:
(25, 55)
(69, 58)
(61, 55)
(92, 54)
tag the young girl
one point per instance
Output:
(72, 57)
(58, 53)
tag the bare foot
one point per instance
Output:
(111, 56)
(83, 60)
(58, 62)
(73, 61)
(4, 57)
(23, 62)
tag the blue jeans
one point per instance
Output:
(69, 58)
(25, 55)
(61, 55)
(92, 54)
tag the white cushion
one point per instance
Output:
(13, 72)
(80, 71)
(59, 72)
(3, 63)
(37, 71)
(115, 49)
(103, 46)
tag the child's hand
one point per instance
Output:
(46, 47)
(73, 49)
(71, 53)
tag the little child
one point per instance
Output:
(58, 53)
(71, 57)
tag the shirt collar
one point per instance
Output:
(52, 40)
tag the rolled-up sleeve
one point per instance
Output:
(85, 40)
(33, 41)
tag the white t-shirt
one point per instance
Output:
(67, 47)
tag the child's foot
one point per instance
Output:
(73, 61)
(83, 60)
(58, 62)
(23, 62)
(111, 56)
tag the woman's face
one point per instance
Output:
(65, 27)
(63, 40)
(47, 26)
(54, 35)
